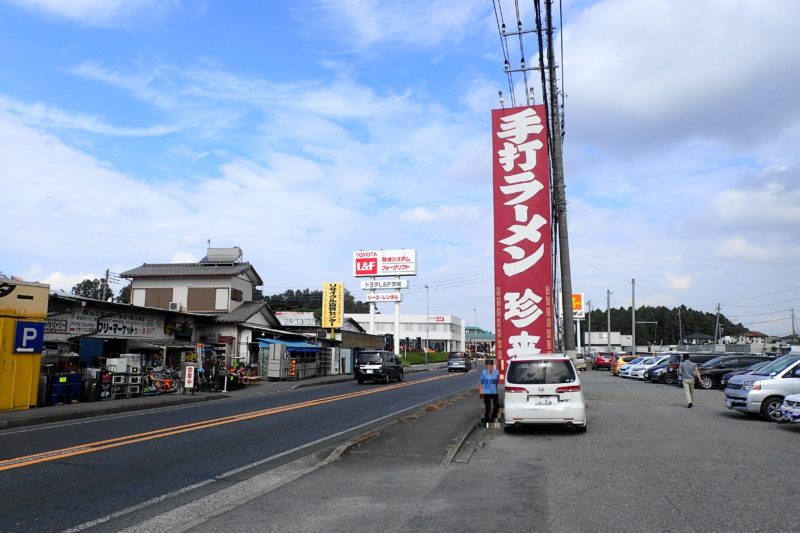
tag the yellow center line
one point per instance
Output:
(91, 447)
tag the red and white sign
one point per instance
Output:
(401, 262)
(188, 379)
(522, 230)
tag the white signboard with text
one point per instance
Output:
(401, 262)
(385, 297)
(384, 284)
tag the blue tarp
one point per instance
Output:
(292, 346)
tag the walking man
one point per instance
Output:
(488, 391)
(689, 372)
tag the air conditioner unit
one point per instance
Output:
(174, 306)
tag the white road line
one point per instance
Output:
(211, 505)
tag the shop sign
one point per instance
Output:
(188, 380)
(332, 305)
(384, 284)
(522, 229)
(296, 318)
(29, 337)
(577, 305)
(103, 324)
(385, 297)
(402, 262)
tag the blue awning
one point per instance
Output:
(292, 346)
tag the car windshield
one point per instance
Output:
(777, 365)
(540, 372)
(369, 357)
(635, 360)
(649, 361)
(756, 366)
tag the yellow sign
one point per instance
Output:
(577, 305)
(332, 305)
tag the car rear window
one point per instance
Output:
(369, 357)
(540, 372)
(456, 355)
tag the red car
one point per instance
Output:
(603, 360)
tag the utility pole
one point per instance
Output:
(680, 328)
(589, 323)
(794, 335)
(427, 331)
(608, 318)
(633, 317)
(106, 289)
(716, 327)
(559, 188)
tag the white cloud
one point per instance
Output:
(184, 257)
(45, 116)
(103, 13)
(678, 282)
(741, 250)
(411, 22)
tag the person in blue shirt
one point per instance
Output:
(488, 391)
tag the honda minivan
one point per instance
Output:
(543, 389)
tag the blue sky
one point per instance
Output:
(132, 131)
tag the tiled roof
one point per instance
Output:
(160, 270)
(242, 313)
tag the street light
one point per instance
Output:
(427, 332)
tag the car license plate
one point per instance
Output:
(541, 400)
(369, 371)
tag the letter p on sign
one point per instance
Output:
(29, 337)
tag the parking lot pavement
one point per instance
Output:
(647, 463)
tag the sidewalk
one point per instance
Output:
(76, 410)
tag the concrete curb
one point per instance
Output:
(452, 452)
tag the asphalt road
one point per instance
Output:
(118, 471)
(647, 464)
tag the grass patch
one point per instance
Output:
(418, 358)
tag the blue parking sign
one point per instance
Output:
(29, 337)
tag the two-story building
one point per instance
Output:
(220, 285)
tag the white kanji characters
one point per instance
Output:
(529, 231)
(522, 345)
(524, 310)
(519, 126)
(525, 184)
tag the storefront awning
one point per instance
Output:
(292, 346)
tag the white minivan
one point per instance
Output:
(543, 389)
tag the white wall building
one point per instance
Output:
(444, 333)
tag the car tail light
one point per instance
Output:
(516, 389)
(570, 388)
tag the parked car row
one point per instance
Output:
(753, 384)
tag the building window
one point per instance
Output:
(237, 295)
(159, 298)
(203, 299)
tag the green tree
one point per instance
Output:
(96, 289)
(124, 296)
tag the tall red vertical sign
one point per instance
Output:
(523, 273)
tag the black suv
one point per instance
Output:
(671, 375)
(711, 371)
(378, 365)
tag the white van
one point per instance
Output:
(543, 389)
